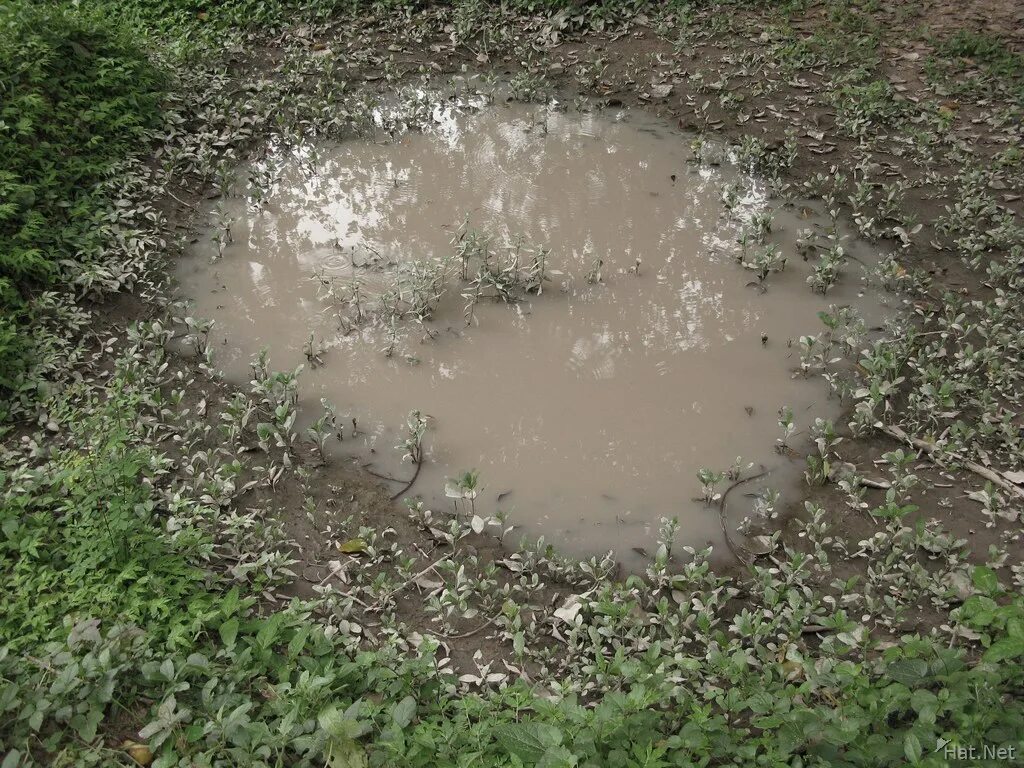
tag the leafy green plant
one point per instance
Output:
(78, 97)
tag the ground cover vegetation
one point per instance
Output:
(189, 580)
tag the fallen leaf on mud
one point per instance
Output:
(353, 547)
(425, 583)
(661, 90)
(760, 545)
(960, 584)
(140, 753)
(1017, 478)
(570, 610)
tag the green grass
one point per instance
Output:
(81, 537)
(974, 63)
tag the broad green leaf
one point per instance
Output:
(269, 631)
(230, 602)
(1005, 648)
(985, 580)
(346, 753)
(352, 547)
(298, 641)
(403, 712)
(528, 741)
(910, 672)
(912, 748)
(557, 757)
(228, 632)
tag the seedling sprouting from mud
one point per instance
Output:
(788, 428)
(536, 274)
(812, 354)
(844, 328)
(766, 502)
(744, 243)
(806, 243)
(421, 285)
(658, 572)
(472, 297)
(819, 468)
(355, 297)
(465, 487)
(412, 445)
(709, 482)
(526, 86)
(222, 222)
(827, 270)
(766, 260)
(321, 429)
(468, 245)
(500, 273)
(260, 183)
(736, 468)
(761, 223)
(199, 334)
(731, 196)
(347, 296)
(312, 352)
(223, 177)
(389, 347)
(861, 197)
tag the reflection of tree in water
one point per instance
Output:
(567, 181)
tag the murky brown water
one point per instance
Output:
(588, 409)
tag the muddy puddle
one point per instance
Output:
(613, 347)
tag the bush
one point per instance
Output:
(75, 97)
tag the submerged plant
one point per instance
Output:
(827, 269)
(465, 487)
(788, 429)
(415, 431)
(766, 260)
(709, 481)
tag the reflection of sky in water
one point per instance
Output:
(362, 199)
(330, 208)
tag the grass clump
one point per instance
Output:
(973, 64)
